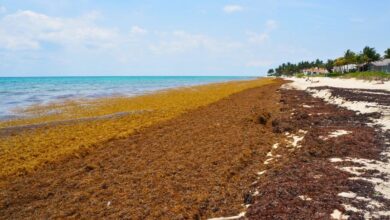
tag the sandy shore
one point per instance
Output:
(286, 150)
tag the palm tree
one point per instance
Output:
(370, 55)
(350, 57)
(361, 60)
(329, 65)
(387, 54)
(271, 72)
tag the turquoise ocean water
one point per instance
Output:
(21, 92)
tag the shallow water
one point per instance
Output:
(21, 92)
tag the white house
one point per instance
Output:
(345, 68)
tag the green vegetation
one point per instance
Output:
(290, 69)
(362, 59)
(356, 75)
(367, 75)
(387, 54)
(366, 56)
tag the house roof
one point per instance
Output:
(383, 62)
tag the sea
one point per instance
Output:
(22, 92)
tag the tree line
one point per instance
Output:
(366, 56)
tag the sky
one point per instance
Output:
(182, 37)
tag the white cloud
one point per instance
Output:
(271, 24)
(260, 38)
(3, 9)
(138, 30)
(29, 30)
(232, 8)
(181, 41)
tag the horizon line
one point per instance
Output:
(36, 76)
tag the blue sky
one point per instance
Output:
(203, 37)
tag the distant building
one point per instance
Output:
(315, 71)
(362, 67)
(345, 68)
(380, 66)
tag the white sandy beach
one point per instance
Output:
(363, 165)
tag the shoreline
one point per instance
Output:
(16, 112)
(35, 111)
